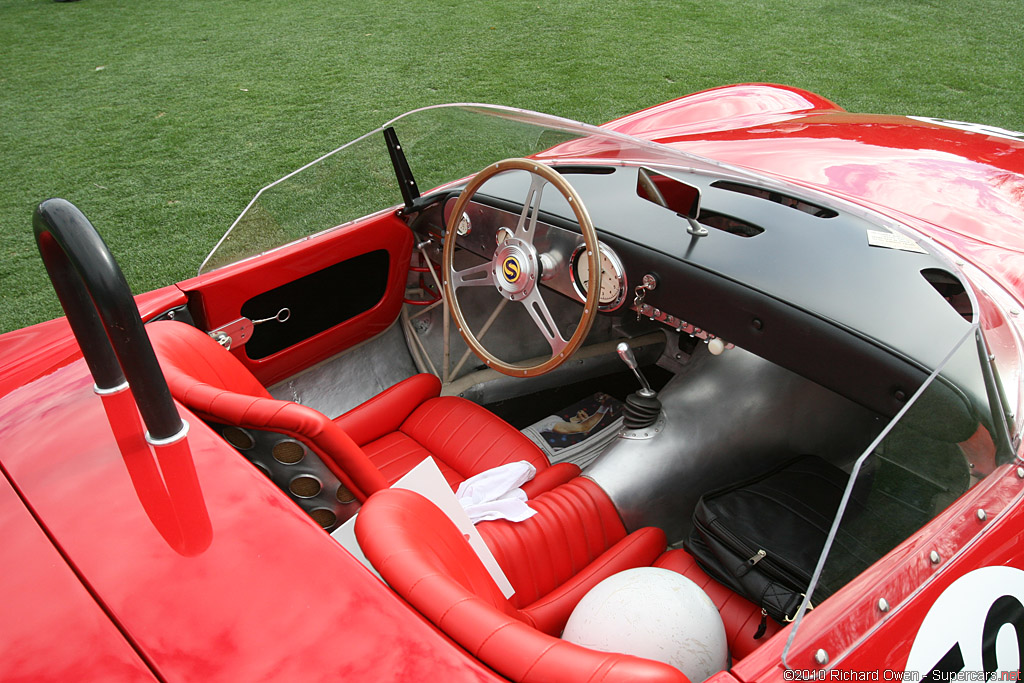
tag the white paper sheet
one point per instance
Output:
(426, 479)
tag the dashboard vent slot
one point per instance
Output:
(777, 197)
(949, 286)
(733, 226)
(586, 169)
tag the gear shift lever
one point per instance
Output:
(642, 406)
(626, 354)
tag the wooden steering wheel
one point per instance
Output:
(514, 268)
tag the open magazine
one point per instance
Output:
(578, 433)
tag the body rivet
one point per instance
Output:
(981, 515)
(934, 557)
(821, 657)
(883, 605)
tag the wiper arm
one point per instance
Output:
(406, 181)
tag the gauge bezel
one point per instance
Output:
(618, 270)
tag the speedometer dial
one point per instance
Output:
(612, 279)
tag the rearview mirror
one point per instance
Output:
(668, 192)
(672, 194)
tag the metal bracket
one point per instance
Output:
(237, 333)
(696, 229)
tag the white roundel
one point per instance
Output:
(976, 625)
(653, 613)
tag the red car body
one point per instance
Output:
(126, 562)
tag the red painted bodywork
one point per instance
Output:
(178, 548)
(965, 190)
(36, 351)
(136, 561)
(47, 600)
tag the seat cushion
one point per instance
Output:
(397, 429)
(551, 612)
(396, 453)
(547, 479)
(740, 616)
(463, 438)
(575, 541)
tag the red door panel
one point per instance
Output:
(342, 287)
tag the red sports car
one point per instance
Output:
(745, 311)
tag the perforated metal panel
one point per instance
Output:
(297, 471)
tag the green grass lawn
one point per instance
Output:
(161, 119)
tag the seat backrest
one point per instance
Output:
(424, 558)
(575, 541)
(576, 522)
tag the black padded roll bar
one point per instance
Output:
(103, 315)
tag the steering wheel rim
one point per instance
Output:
(514, 267)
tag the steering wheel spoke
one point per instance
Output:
(527, 224)
(475, 276)
(541, 315)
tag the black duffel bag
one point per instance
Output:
(762, 538)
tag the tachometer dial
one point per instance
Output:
(612, 279)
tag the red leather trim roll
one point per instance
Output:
(547, 479)
(385, 412)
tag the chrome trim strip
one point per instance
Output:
(173, 438)
(112, 390)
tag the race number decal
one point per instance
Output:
(974, 631)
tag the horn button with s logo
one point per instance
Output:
(515, 267)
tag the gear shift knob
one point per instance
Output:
(626, 354)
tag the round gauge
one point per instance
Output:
(612, 280)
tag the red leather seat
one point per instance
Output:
(426, 560)
(576, 540)
(367, 448)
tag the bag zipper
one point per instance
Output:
(774, 567)
(754, 559)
